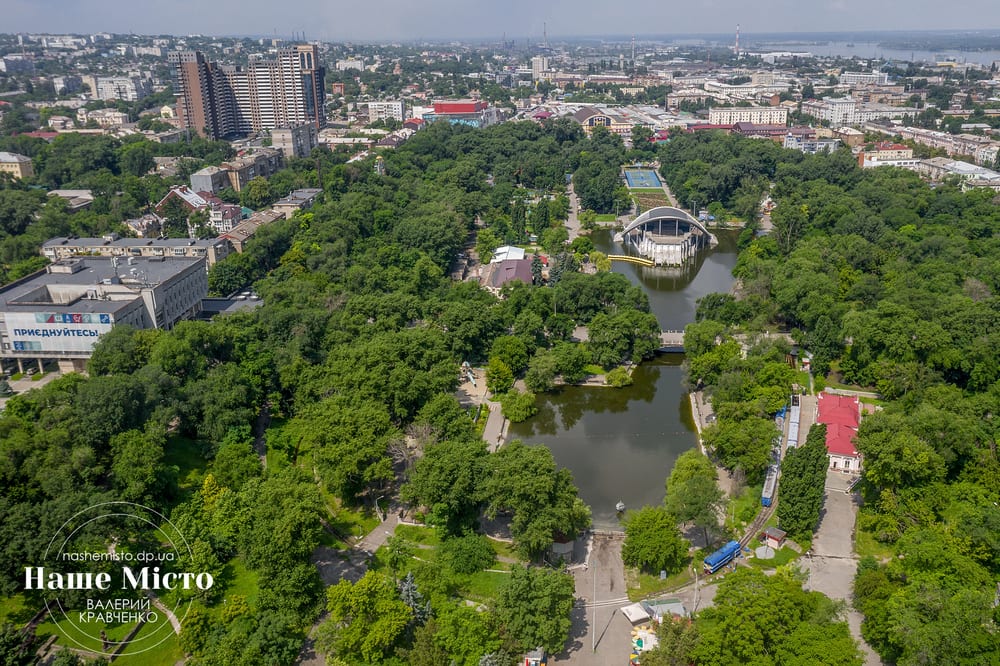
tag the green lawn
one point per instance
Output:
(741, 510)
(484, 585)
(425, 536)
(783, 556)
(351, 521)
(241, 581)
(85, 634)
(641, 585)
(606, 217)
(166, 653)
(865, 545)
(593, 369)
(481, 586)
(504, 549)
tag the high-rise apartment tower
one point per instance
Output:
(222, 100)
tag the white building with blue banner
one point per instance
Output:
(60, 313)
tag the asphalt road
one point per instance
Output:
(833, 563)
(608, 639)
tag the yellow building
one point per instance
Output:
(18, 166)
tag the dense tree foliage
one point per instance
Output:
(890, 285)
(771, 619)
(353, 358)
(533, 608)
(693, 494)
(652, 541)
(803, 478)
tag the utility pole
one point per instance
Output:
(593, 628)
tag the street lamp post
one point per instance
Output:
(593, 629)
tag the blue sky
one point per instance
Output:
(373, 20)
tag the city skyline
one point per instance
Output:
(439, 19)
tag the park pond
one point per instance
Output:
(620, 444)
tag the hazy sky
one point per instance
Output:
(372, 20)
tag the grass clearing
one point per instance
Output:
(641, 585)
(241, 581)
(166, 653)
(351, 521)
(85, 634)
(741, 510)
(606, 217)
(504, 549)
(425, 536)
(483, 586)
(866, 545)
(781, 557)
(593, 369)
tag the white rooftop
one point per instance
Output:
(505, 252)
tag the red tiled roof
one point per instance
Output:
(48, 136)
(839, 410)
(839, 440)
(841, 414)
(708, 126)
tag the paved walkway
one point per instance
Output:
(833, 563)
(572, 223)
(335, 565)
(670, 195)
(26, 384)
(174, 622)
(599, 633)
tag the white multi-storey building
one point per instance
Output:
(837, 111)
(539, 65)
(127, 88)
(865, 78)
(758, 115)
(350, 63)
(394, 109)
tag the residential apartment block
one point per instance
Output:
(212, 250)
(295, 141)
(127, 88)
(395, 109)
(758, 115)
(19, 166)
(811, 146)
(865, 78)
(226, 100)
(841, 111)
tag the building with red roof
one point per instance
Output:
(841, 414)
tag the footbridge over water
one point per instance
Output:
(672, 341)
(667, 236)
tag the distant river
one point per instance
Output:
(873, 50)
(621, 444)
